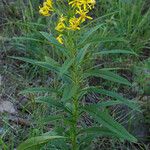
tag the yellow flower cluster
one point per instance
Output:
(61, 24)
(80, 8)
(46, 8)
(84, 4)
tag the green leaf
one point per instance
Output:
(59, 144)
(22, 38)
(53, 41)
(38, 63)
(36, 90)
(3, 144)
(69, 91)
(36, 142)
(100, 131)
(95, 132)
(51, 61)
(49, 119)
(117, 51)
(110, 69)
(48, 66)
(109, 103)
(70, 107)
(51, 102)
(81, 54)
(89, 33)
(107, 121)
(108, 75)
(28, 60)
(115, 95)
(66, 65)
(85, 142)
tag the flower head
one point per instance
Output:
(61, 24)
(79, 14)
(74, 23)
(60, 39)
(75, 3)
(46, 8)
(83, 4)
(83, 15)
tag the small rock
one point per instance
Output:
(6, 106)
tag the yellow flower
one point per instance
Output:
(83, 4)
(60, 39)
(49, 3)
(74, 24)
(61, 25)
(75, 3)
(83, 15)
(88, 4)
(44, 11)
(46, 8)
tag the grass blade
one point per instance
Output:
(36, 90)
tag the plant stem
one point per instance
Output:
(75, 110)
(75, 121)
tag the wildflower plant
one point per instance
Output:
(72, 69)
(79, 14)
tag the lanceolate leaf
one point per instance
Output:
(95, 132)
(51, 102)
(82, 52)
(51, 61)
(38, 63)
(66, 65)
(69, 91)
(28, 60)
(101, 131)
(109, 103)
(107, 121)
(53, 41)
(23, 38)
(88, 139)
(108, 75)
(117, 51)
(36, 142)
(89, 33)
(115, 95)
(50, 119)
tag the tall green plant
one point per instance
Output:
(74, 65)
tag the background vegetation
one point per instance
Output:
(20, 24)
